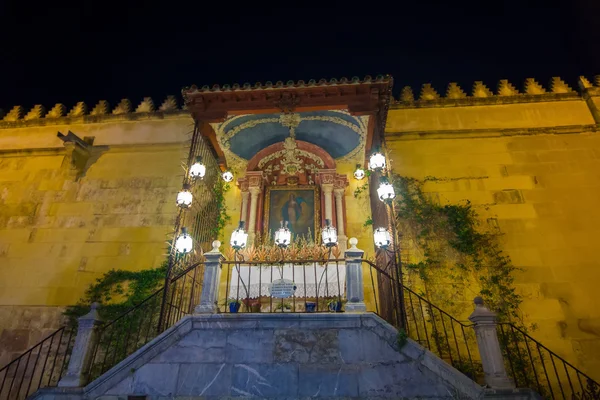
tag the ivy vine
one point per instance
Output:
(453, 252)
(219, 189)
(118, 291)
(361, 189)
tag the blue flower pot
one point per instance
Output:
(335, 306)
(234, 307)
(310, 306)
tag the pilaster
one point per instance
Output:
(354, 278)
(83, 349)
(210, 283)
(489, 347)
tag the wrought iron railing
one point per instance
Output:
(531, 364)
(124, 335)
(320, 286)
(40, 366)
(433, 328)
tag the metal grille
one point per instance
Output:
(201, 219)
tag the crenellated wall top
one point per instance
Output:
(18, 117)
(506, 92)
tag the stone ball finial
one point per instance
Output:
(478, 301)
(216, 244)
(353, 242)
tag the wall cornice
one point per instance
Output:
(487, 133)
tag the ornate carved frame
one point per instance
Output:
(317, 202)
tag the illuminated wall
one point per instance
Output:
(62, 226)
(531, 163)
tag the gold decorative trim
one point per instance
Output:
(224, 135)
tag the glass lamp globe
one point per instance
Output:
(198, 169)
(359, 173)
(377, 162)
(184, 198)
(382, 238)
(184, 243)
(239, 237)
(227, 176)
(385, 191)
(283, 236)
(329, 235)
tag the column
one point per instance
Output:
(489, 347)
(244, 212)
(254, 192)
(339, 210)
(327, 189)
(355, 292)
(83, 349)
(210, 283)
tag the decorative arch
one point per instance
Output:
(291, 159)
(309, 147)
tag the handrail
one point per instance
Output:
(49, 364)
(547, 349)
(419, 296)
(123, 335)
(426, 323)
(531, 364)
(543, 370)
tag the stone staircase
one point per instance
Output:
(280, 356)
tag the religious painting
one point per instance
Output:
(298, 205)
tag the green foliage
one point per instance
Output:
(401, 338)
(230, 300)
(117, 291)
(449, 239)
(219, 189)
(361, 189)
(472, 369)
(452, 254)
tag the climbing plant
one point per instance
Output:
(452, 250)
(219, 189)
(117, 291)
(455, 256)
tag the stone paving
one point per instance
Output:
(282, 356)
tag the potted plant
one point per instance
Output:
(335, 305)
(233, 304)
(310, 306)
(252, 305)
(283, 307)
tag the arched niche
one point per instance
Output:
(291, 159)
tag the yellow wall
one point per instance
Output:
(530, 162)
(542, 188)
(58, 234)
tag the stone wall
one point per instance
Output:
(532, 170)
(279, 356)
(63, 225)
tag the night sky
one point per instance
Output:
(88, 50)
